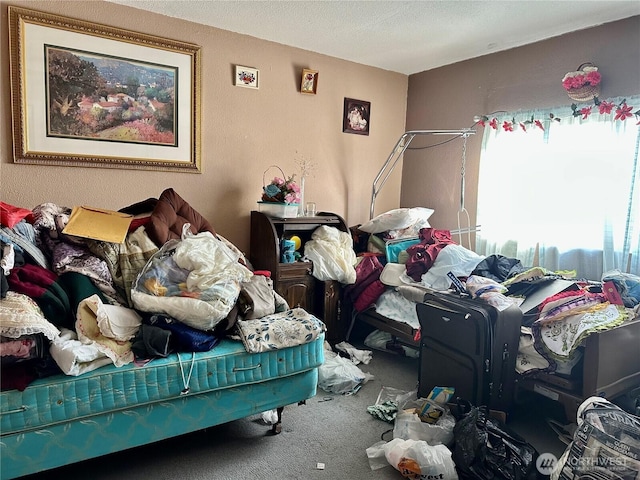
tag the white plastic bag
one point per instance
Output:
(340, 375)
(452, 258)
(397, 396)
(195, 280)
(408, 426)
(416, 459)
(332, 254)
(270, 417)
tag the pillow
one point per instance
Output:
(21, 315)
(279, 330)
(397, 219)
(169, 216)
(10, 215)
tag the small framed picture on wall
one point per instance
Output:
(247, 77)
(356, 116)
(309, 82)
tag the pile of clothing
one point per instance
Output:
(72, 304)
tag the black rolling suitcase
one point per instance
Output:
(471, 346)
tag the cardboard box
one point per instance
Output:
(98, 224)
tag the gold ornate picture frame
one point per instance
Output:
(90, 95)
(309, 82)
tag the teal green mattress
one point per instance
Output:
(60, 420)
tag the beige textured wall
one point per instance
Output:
(243, 130)
(521, 78)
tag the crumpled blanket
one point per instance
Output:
(170, 215)
(529, 360)
(23, 238)
(45, 214)
(125, 260)
(561, 337)
(67, 257)
(568, 303)
(332, 254)
(69, 253)
(44, 288)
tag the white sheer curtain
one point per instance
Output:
(566, 198)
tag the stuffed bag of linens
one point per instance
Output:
(195, 280)
(332, 255)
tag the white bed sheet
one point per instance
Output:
(392, 304)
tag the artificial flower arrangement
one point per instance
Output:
(581, 85)
(622, 111)
(281, 189)
(586, 75)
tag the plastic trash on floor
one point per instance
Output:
(414, 459)
(357, 356)
(427, 419)
(408, 426)
(389, 401)
(340, 375)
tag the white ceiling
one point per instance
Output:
(401, 36)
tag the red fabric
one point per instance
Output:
(565, 294)
(17, 377)
(138, 222)
(423, 254)
(369, 296)
(31, 280)
(368, 271)
(10, 215)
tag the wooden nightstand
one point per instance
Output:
(294, 281)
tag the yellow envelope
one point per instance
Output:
(98, 224)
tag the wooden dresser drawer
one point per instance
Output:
(289, 271)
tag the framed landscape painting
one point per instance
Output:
(90, 95)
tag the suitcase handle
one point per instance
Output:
(466, 316)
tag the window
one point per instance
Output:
(566, 197)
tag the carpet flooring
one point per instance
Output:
(326, 438)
